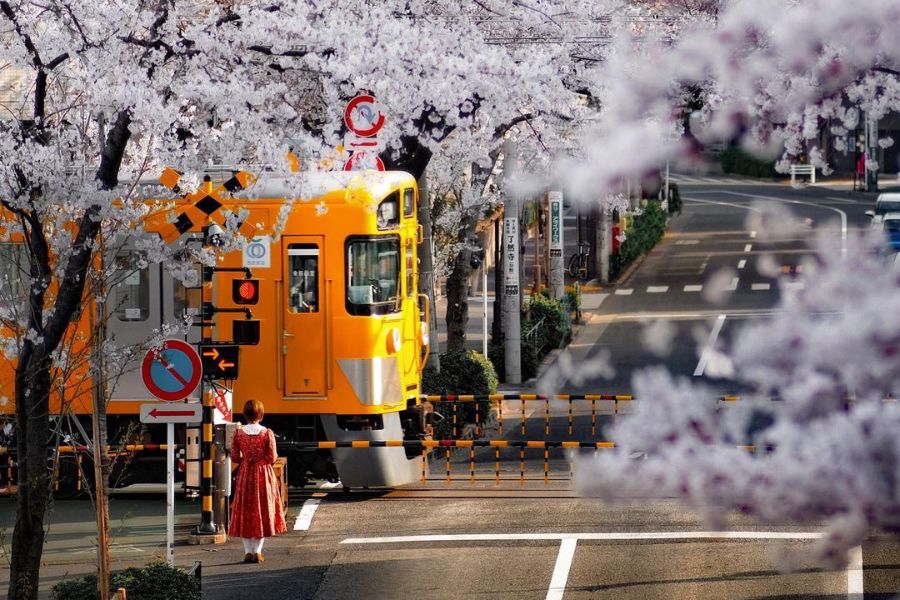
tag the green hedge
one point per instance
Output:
(462, 372)
(156, 581)
(734, 160)
(546, 325)
(646, 230)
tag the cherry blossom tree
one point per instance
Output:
(826, 448)
(110, 93)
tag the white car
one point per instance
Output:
(887, 202)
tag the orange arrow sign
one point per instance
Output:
(214, 354)
(223, 364)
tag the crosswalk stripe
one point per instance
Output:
(657, 289)
(624, 292)
(760, 286)
(693, 288)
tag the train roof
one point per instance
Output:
(315, 184)
(304, 185)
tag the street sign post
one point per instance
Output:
(171, 372)
(364, 161)
(155, 412)
(363, 116)
(557, 282)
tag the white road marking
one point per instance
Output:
(561, 570)
(304, 519)
(854, 573)
(742, 263)
(693, 288)
(687, 242)
(760, 286)
(842, 214)
(707, 350)
(752, 234)
(657, 289)
(733, 285)
(624, 292)
(748, 247)
(793, 285)
(601, 536)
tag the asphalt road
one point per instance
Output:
(524, 538)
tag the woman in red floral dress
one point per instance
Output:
(257, 512)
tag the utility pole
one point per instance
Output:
(511, 280)
(871, 152)
(556, 242)
(604, 243)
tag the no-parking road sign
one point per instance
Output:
(171, 370)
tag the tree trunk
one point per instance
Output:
(33, 378)
(32, 435)
(458, 302)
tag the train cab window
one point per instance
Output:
(373, 275)
(303, 283)
(409, 203)
(131, 293)
(388, 216)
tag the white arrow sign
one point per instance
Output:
(171, 413)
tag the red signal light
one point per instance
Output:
(245, 291)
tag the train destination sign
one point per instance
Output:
(171, 370)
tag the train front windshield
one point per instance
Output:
(373, 276)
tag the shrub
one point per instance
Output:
(462, 372)
(156, 581)
(546, 324)
(642, 236)
(529, 361)
(734, 160)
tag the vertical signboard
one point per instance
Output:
(557, 283)
(511, 256)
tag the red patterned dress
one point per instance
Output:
(257, 510)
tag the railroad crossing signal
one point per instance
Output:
(245, 291)
(220, 361)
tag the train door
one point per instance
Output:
(303, 350)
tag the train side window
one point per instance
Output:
(13, 273)
(131, 292)
(373, 275)
(409, 203)
(303, 282)
(188, 294)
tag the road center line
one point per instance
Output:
(854, 573)
(742, 263)
(748, 247)
(561, 569)
(707, 350)
(304, 519)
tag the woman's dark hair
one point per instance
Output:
(254, 410)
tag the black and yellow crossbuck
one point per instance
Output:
(201, 207)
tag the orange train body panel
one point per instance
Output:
(351, 341)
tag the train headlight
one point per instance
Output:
(393, 341)
(423, 332)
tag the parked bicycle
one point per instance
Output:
(578, 263)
